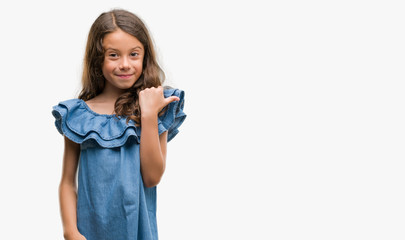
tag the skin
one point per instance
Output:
(122, 67)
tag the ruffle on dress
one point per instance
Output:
(174, 116)
(75, 120)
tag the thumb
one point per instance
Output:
(171, 99)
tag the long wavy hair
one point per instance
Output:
(93, 81)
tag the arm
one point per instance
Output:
(152, 152)
(152, 146)
(67, 190)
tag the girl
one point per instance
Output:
(115, 134)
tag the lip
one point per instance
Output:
(125, 76)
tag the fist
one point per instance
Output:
(152, 101)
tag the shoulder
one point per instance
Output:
(64, 106)
(174, 116)
(69, 102)
(176, 106)
(75, 120)
(170, 91)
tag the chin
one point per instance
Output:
(125, 87)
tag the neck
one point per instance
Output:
(110, 93)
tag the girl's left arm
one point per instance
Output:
(153, 146)
(152, 152)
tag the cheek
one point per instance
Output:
(107, 67)
(139, 66)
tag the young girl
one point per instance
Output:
(115, 134)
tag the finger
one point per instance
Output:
(171, 99)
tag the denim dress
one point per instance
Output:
(112, 201)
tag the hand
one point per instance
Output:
(152, 101)
(74, 236)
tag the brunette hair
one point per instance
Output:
(93, 80)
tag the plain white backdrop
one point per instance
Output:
(295, 126)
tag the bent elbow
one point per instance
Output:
(152, 179)
(151, 183)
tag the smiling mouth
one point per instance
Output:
(124, 75)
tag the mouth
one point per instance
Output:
(125, 76)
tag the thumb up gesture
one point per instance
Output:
(152, 101)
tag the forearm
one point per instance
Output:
(68, 203)
(152, 162)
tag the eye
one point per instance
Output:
(134, 54)
(113, 55)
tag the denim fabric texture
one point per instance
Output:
(112, 202)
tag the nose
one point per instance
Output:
(124, 63)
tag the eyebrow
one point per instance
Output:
(118, 50)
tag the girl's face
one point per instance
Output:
(122, 60)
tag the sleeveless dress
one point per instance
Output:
(112, 201)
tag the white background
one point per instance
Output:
(295, 126)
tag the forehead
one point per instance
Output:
(121, 40)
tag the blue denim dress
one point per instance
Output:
(112, 202)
